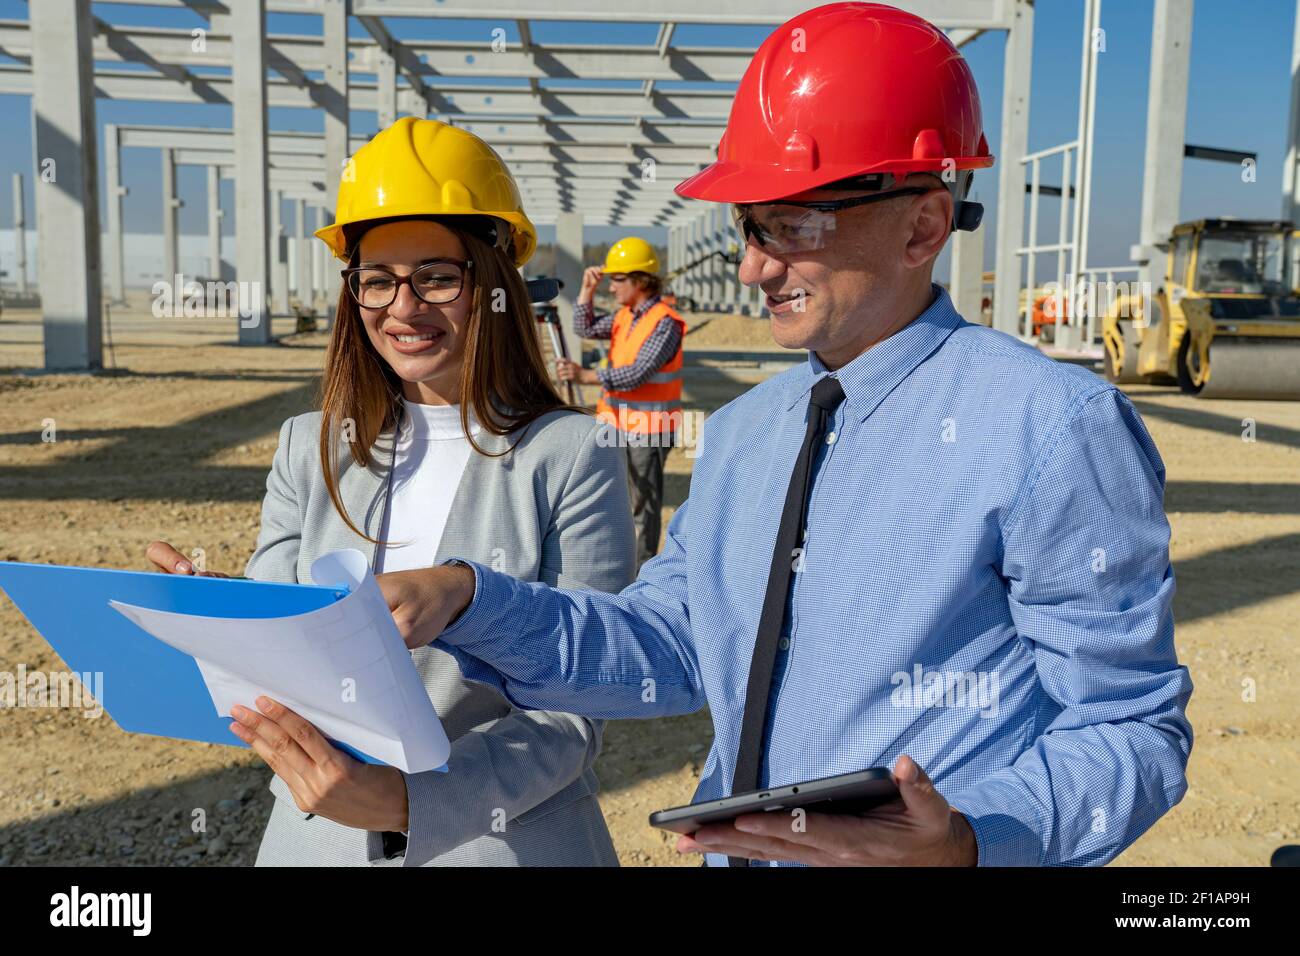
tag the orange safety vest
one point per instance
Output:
(656, 405)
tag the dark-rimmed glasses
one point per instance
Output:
(437, 283)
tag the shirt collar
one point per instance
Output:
(871, 376)
(644, 307)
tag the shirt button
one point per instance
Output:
(784, 644)
(830, 439)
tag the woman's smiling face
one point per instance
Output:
(429, 361)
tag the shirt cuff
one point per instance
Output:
(1002, 839)
(490, 592)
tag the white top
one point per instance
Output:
(430, 457)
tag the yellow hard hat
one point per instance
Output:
(421, 167)
(632, 254)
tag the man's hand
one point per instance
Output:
(570, 371)
(591, 277)
(920, 829)
(323, 779)
(426, 600)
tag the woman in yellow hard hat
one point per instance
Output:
(641, 388)
(439, 432)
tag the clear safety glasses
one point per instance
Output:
(801, 226)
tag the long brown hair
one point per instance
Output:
(504, 379)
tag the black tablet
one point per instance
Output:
(855, 792)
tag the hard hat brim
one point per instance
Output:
(523, 243)
(733, 182)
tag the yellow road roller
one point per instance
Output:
(1226, 320)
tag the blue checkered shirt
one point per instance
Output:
(984, 585)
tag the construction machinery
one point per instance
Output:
(1225, 322)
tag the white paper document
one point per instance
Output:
(343, 667)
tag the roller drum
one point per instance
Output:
(1253, 368)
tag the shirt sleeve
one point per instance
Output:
(1090, 586)
(655, 352)
(588, 325)
(602, 655)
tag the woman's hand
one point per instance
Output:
(167, 559)
(426, 600)
(323, 779)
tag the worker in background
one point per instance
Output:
(641, 389)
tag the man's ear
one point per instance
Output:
(931, 222)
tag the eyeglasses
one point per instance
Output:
(437, 283)
(802, 226)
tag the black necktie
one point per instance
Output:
(826, 397)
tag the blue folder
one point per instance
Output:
(148, 687)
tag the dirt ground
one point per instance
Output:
(174, 442)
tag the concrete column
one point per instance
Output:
(1290, 175)
(1016, 68)
(675, 246)
(1162, 167)
(279, 267)
(215, 215)
(113, 184)
(386, 74)
(69, 269)
(247, 27)
(713, 242)
(568, 269)
(319, 258)
(170, 220)
(730, 282)
(967, 284)
(301, 287)
(693, 252)
(334, 15)
(20, 235)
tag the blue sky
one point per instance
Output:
(1239, 99)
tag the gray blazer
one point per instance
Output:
(520, 790)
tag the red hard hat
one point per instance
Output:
(839, 91)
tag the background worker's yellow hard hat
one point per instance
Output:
(421, 167)
(632, 254)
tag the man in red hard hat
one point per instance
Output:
(929, 548)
